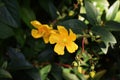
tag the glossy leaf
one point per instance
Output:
(44, 72)
(49, 7)
(106, 36)
(27, 15)
(92, 13)
(112, 26)
(34, 74)
(46, 55)
(76, 25)
(10, 13)
(18, 60)
(20, 36)
(56, 72)
(5, 74)
(111, 13)
(5, 31)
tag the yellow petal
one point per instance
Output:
(54, 38)
(59, 49)
(35, 33)
(71, 47)
(36, 23)
(72, 36)
(46, 39)
(62, 30)
(92, 74)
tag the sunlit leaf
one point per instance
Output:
(80, 75)
(4, 74)
(117, 17)
(101, 5)
(92, 13)
(106, 37)
(111, 13)
(44, 72)
(68, 75)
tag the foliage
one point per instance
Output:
(70, 40)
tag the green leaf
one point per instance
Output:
(111, 13)
(117, 17)
(46, 55)
(17, 60)
(9, 13)
(4, 74)
(76, 25)
(101, 5)
(20, 36)
(34, 74)
(44, 72)
(99, 74)
(49, 7)
(106, 37)
(56, 72)
(92, 13)
(81, 76)
(27, 15)
(5, 31)
(112, 26)
(69, 76)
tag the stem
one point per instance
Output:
(83, 45)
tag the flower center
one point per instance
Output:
(64, 40)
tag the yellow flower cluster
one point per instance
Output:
(61, 37)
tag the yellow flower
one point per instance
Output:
(62, 40)
(41, 31)
(92, 73)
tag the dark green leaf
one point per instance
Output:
(20, 36)
(34, 74)
(99, 75)
(18, 60)
(46, 55)
(56, 72)
(5, 31)
(112, 11)
(92, 13)
(27, 15)
(9, 13)
(106, 36)
(76, 25)
(49, 7)
(4, 74)
(44, 72)
(112, 26)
